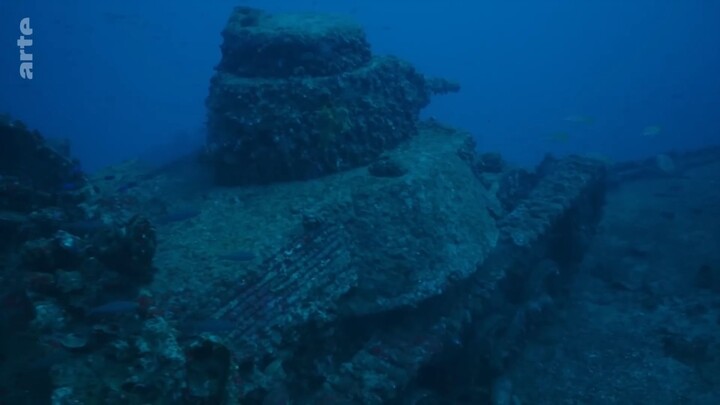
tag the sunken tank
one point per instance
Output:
(299, 96)
(367, 284)
(407, 270)
(414, 279)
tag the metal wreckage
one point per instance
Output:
(392, 262)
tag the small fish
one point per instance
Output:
(69, 186)
(601, 157)
(239, 256)
(651, 131)
(665, 164)
(114, 307)
(12, 217)
(558, 136)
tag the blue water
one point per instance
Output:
(637, 320)
(128, 78)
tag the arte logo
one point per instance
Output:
(26, 58)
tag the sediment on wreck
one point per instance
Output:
(466, 335)
(407, 266)
(299, 96)
(387, 271)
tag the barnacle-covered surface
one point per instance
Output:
(361, 280)
(473, 318)
(260, 44)
(351, 287)
(341, 241)
(27, 161)
(423, 277)
(401, 265)
(299, 96)
(58, 262)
